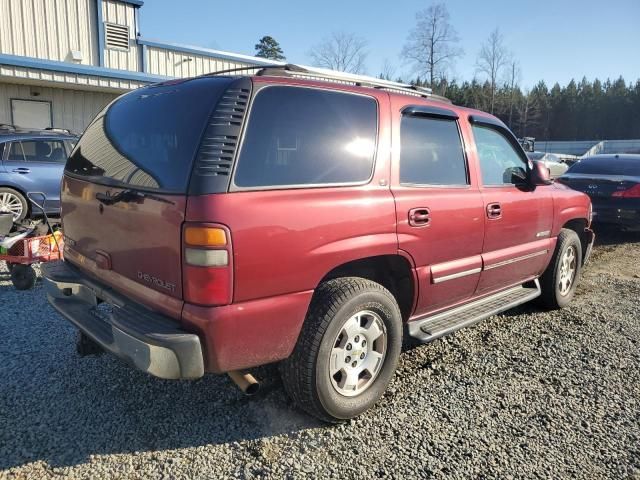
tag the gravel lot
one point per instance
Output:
(524, 394)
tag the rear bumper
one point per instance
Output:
(624, 217)
(149, 341)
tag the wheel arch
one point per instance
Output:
(580, 226)
(395, 272)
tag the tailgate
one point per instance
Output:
(126, 183)
(139, 239)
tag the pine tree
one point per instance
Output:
(268, 47)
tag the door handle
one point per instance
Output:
(419, 217)
(494, 211)
(21, 170)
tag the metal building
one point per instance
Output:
(61, 61)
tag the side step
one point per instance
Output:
(436, 326)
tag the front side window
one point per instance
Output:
(303, 136)
(38, 151)
(431, 152)
(500, 163)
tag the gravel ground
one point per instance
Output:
(523, 394)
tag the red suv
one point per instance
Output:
(219, 223)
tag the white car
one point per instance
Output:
(555, 165)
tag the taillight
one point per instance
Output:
(207, 270)
(633, 192)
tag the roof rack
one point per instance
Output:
(56, 129)
(314, 73)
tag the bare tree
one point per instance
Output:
(513, 80)
(341, 51)
(431, 45)
(493, 57)
(388, 70)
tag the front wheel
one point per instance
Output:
(560, 279)
(347, 350)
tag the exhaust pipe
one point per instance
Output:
(245, 382)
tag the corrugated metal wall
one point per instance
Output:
(172, 63)
(72, 109)
(71, 80)
(49, 29)
(121, 14)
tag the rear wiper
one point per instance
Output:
(128, 196)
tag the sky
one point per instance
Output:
(554, 40)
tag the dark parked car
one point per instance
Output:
(219, 223)
(613, 183)
(32, 161)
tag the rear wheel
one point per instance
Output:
(12, 201)
(347, 350)
(23, 277)
(560, 280)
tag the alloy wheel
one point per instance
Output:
(568, 268)
(358, 353)
(10, 203)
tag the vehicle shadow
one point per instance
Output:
(62, 409)
(607, 235)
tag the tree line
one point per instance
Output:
(580, 110)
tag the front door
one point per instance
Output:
(439, 207)
(518, 218)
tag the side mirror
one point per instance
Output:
(540, 174)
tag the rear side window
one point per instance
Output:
(149, 137)
(608, 166)
(38, 151)
(431, 152)
(302, 136)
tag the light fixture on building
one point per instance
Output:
(76, 55)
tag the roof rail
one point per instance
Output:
(56, 129)
(314, 73)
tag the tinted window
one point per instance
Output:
(608, 166)
(302, 136)
(38, 151)
(499, 160)
(149, 137)
(431, 152)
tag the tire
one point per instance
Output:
(344, 313)
(9, 199)
(555, 291)
(23, 277)
(10, 266)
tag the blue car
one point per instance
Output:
(32, 161)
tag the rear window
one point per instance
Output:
(303, 136)
(607, 166)
(148, 138)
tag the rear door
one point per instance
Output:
(37, 164)
(518, 218)
(438, 204)
(125, 187)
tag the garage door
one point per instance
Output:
(31, 113)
